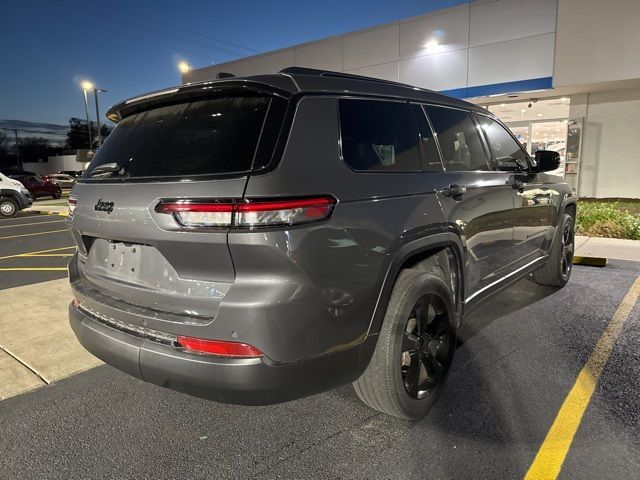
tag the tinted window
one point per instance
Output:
(459, 139)
(504, 147)
(202, 137)
(379, 136)
(427, 142)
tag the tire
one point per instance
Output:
(386, 385)
(8, 207)
(57, 193)
(557, 271)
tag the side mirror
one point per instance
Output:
(547, 160)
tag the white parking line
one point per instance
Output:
(33, 223)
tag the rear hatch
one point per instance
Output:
(137, 261)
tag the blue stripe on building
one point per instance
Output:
(501, 88)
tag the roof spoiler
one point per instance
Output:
(220, 75)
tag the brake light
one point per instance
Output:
(219, 348)
(72, 202)
(258, 213)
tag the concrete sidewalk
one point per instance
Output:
(608, 248)
(37, 345)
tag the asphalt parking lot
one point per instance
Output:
(33, 248)
(519, 358)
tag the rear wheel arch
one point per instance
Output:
(438, 251)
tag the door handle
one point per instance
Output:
(454, 191)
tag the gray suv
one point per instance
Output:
(255, 240)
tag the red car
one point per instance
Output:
(39, 187)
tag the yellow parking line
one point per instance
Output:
(36, 252)
(34, 269)
(46, 255)
(33, 234)
(32, 223)
(555, 447)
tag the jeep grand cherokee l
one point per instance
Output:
(254, 240)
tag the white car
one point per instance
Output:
(13, 197)
(62, 179)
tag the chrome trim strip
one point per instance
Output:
(154, 335)
(468, 299)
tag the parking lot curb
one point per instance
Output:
(590, 261)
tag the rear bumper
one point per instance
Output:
(254, 381)
(24, 200)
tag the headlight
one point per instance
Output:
(17, 184)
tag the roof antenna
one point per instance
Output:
(220, 75)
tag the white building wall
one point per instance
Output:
(481, 43)
(611, 142)
(597, 41)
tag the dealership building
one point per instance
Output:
(564, 75)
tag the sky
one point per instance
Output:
(132, 47)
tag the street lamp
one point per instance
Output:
(99, 136)
(87, 85)
(184, 68)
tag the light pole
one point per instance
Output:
(184, 67)
(86, 85)
(99, 136)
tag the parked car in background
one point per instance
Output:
(73, 173)
(62, 179)
(13, 197)
(39, 187)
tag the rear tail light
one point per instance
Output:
(72, 201)
(254, 214)
(191, 214)
(219, 348)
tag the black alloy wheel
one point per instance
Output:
(567, 247)
(426, 346)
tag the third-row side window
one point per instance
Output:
(378, 136)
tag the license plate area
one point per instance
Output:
(124, 260)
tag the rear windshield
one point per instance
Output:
(214, 136)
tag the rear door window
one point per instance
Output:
(205, 137)
(459, 139)
(379, 136)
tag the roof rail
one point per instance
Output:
(329, 73)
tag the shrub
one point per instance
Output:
(607, 219)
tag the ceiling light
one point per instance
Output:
(431, 44)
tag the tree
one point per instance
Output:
(78, 136)
(37, 149)
(7, 151)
